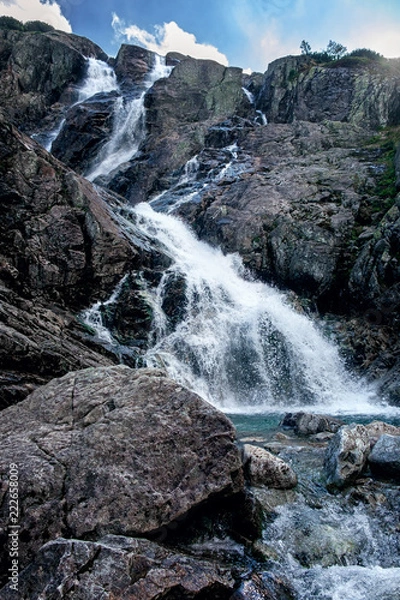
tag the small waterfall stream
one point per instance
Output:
(128, 127)
(241, 345)
(100, 77)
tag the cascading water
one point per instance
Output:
(128, 127)
(242, 346)
(238, 343)
(100, 78)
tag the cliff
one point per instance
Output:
(309, 200)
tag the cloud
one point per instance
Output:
(35, 10)
(168, 37)
(381, 36)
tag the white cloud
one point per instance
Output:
(34, 10)
(168, 37)
(383, 38)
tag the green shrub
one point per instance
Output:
(366, 53)
(38, 26)
(11, 23)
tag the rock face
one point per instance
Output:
(295, 88)
(384, 459)
(284, 207)
(180, 109)
(264, 468)
(39, 71)
(60, 247)
(346, 455)
(112, 450)
(118, 567)
(132, 64)
(58, 236)
(87, 127)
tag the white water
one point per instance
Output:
(100, 77)
(128, 126)
(236, 342)
(240, 344)
(336, 552)
(93, 319)
(249, 95)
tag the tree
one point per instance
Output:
(336, 50)
(305, 47)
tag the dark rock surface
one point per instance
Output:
(295, 88)
(112, 450)
(132, 64)
(58, 238)
(87, 127)
(119, 568)
(38, 73)
(384, 459)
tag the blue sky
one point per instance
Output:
(244, 33)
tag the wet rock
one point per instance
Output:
(309, 424)
(112, 450)
(38, 71)
(265, 586)
(132, 65)
(346, 455)
(118, 567)
(87, 127)
(264, 468)
(384, 459)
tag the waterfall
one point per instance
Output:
(100, 77)
(249, 95)
(260, 119)
(241, 345)
(128, 126)
(238, 342)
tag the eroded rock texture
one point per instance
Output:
(112, 450)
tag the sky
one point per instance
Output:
(244, 33)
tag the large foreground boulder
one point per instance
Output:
(111, 451)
